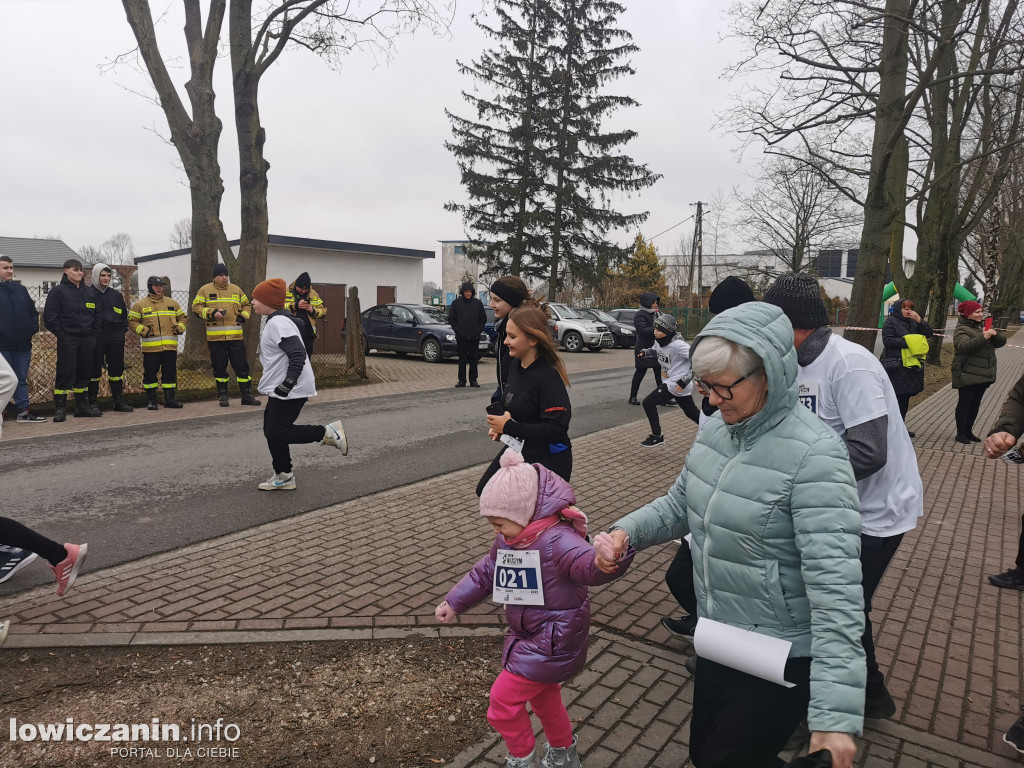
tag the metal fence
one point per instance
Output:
(195, 376)
(692, 320)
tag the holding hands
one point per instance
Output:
(841, 745)
(610, 548)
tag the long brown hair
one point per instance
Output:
(531, 320)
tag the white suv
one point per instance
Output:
(574, 332)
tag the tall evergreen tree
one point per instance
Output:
(498, 153)
(536, 165)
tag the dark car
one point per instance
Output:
(491, 331)
(624, 316)
(404, 328)
(624, 334)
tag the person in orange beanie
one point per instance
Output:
(288, 382)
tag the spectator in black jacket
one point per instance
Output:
(467, 318)
(70, 315)
(643, 322)
(110, 342)
(19, 322)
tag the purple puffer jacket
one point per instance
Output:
(546, 644)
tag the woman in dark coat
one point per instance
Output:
(643, 322)
(903, 321)
(974, 366)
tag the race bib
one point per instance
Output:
(517, 579)
(809, 396)
(515, 443)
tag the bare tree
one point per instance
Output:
(119, 249)
(181, 234)
(792, 211)
(90, 254)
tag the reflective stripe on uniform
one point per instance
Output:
(169, 386)
(154, 385)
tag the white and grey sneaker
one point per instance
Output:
(280, 481)
(13, 560)
(28, 416)
(561, 757)
(530, 761)
(334, 434)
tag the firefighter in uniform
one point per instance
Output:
(302, 301)
(110, 340)
(159, 321)
(70, 314)
(225, 308)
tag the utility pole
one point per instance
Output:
(698, 250)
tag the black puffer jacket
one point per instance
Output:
(467, 316)
(643, 322)
(905, 381)
(975, 358)
(71, 310)
(112, 310)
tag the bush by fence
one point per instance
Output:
(195, 377)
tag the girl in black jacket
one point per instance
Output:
(507, 293)
(534, 412)
(902, 321)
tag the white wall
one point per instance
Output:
(33, 278)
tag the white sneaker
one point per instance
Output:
(281, 481)
(334, 434)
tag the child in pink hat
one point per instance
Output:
(539, 567)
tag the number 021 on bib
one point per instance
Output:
(517, 579)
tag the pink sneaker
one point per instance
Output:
(66, 570)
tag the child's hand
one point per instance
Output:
(609, 549)
(444, 613)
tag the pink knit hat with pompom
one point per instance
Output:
(512, 492)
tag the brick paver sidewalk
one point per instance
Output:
(377, 566)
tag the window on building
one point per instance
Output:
(460, 250)
(48, 284)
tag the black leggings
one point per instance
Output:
(281, 431)
(14, 534)
(662, 396)
(967, 408)
(679, 579)
(638, 378)
(904, 401)
(559, 463)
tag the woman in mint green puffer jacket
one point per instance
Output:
(769, 496)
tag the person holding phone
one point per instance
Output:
(534, 413)
(974, 366)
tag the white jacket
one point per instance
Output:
(674, 358)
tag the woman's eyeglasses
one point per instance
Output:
(724, 392)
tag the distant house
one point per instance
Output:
(38, 263)
(381, 273)
(455, 267)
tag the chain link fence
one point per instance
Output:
(195, 376)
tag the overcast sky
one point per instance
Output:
(356, 155)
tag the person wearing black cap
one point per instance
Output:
(467, 318)
(846, 386)
(70, 314)
(225, 308)
(159, 320)
(507, 293)
(673, 356)
(307, 307)
(643, 322)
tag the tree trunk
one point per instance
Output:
(525, 173)
(251, 264)
(881, 211)
(563, 145)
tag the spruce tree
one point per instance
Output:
(536, 165)
(498, 154)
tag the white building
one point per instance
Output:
(381, 273)
(456, 266)
(38, 263)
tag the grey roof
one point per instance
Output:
(35, 252)
(304, 242)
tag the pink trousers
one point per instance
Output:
(508, 715)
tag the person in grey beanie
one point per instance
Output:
(846, 386)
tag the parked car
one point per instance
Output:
(624, 316)
(404, 328)
(574, 332)
(492, 333)
(623, 333)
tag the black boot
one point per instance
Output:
(60, 403)
(222, 393)
(151, 394)
(94, 392)
(247, 398)
(117, 391)
(169, 401)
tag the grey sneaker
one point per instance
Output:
(28, 416)
(530, 761)
(561, 757)
(280, 481)
(334, 434)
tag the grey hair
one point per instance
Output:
(715, 355)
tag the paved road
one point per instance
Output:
(200, 474)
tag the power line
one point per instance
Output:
(670, 228)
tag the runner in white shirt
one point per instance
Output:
(848, 388)
(288, 381)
